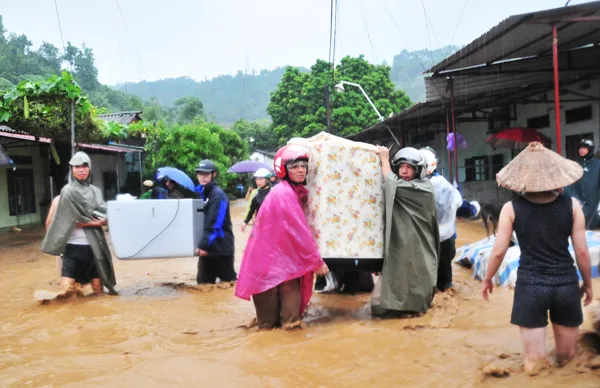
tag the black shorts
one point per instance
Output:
(533, 302)
(79, 264)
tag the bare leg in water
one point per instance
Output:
(97, 286)
(534, 348)
(565, 340)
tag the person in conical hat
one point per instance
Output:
(547, 280)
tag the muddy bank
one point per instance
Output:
(164, 331)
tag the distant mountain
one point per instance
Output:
(228, 98)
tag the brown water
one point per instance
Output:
(156, 334)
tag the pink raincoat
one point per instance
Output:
(281, 246)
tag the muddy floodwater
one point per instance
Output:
(160, 332)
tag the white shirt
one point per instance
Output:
(78, 237)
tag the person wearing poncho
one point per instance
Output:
(412, 239)
(76, 233)
(281, 255)
(547, 282)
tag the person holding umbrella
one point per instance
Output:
(547, 280)
(216, 249)
(261, 177)
(174, 180)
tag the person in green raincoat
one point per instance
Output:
(76, 232)
(412, 239)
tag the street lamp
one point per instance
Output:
(340, 89)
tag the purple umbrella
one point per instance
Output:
(248, 166)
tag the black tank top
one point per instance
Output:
(543, 231)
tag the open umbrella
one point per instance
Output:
(176, 176)
(516, 138)
(248, 166)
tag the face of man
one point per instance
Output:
(583, 152)
(297, 171)
(406, 172)
(205, 178)
(81, 172)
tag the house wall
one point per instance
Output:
(102, 163)
(477, 133)
(40, 182)
(259, 157)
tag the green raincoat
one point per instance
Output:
(412, 242)
(78, 201)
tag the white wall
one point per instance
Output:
(40, 174)
(476, 133)
(259, 157)
(105, 163)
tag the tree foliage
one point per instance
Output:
(297, 106)
(44, 109)
(183, 146)
(408, 67)
(259, 135)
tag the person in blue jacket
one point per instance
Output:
(587, 189)
(217, 247)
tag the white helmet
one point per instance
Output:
(262, 173)
(431, 159)
(412, 157)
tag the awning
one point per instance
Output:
(14, 134)
(109, 148)
(527, 35)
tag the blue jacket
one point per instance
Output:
(218, 237)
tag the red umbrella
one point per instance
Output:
(516, 138)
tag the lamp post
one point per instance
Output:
(340, 89)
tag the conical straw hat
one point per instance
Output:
(538, 169)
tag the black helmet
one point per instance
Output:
(206, 166)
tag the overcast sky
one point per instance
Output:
(204, 38)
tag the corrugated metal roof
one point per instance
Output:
(122, 117)
(526, 35)
(6, 131)
(107, 148)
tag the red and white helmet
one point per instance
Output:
(288, 154)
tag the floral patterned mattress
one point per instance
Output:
(346, 202)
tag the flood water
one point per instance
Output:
(162, 331)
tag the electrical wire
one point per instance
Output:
(459, 20)
(366, 25)
(136, 51)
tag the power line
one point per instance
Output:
(366, 25)
(335, 29)
(136, 51)
(459, 20)
(59, 25)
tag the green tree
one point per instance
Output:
(189, 109)
(408, 68)
(183, 146)
(261, 132)
(297, 106)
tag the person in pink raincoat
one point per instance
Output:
(278, 276)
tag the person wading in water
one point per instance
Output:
(547, 280)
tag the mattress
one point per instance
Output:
(346, 203)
